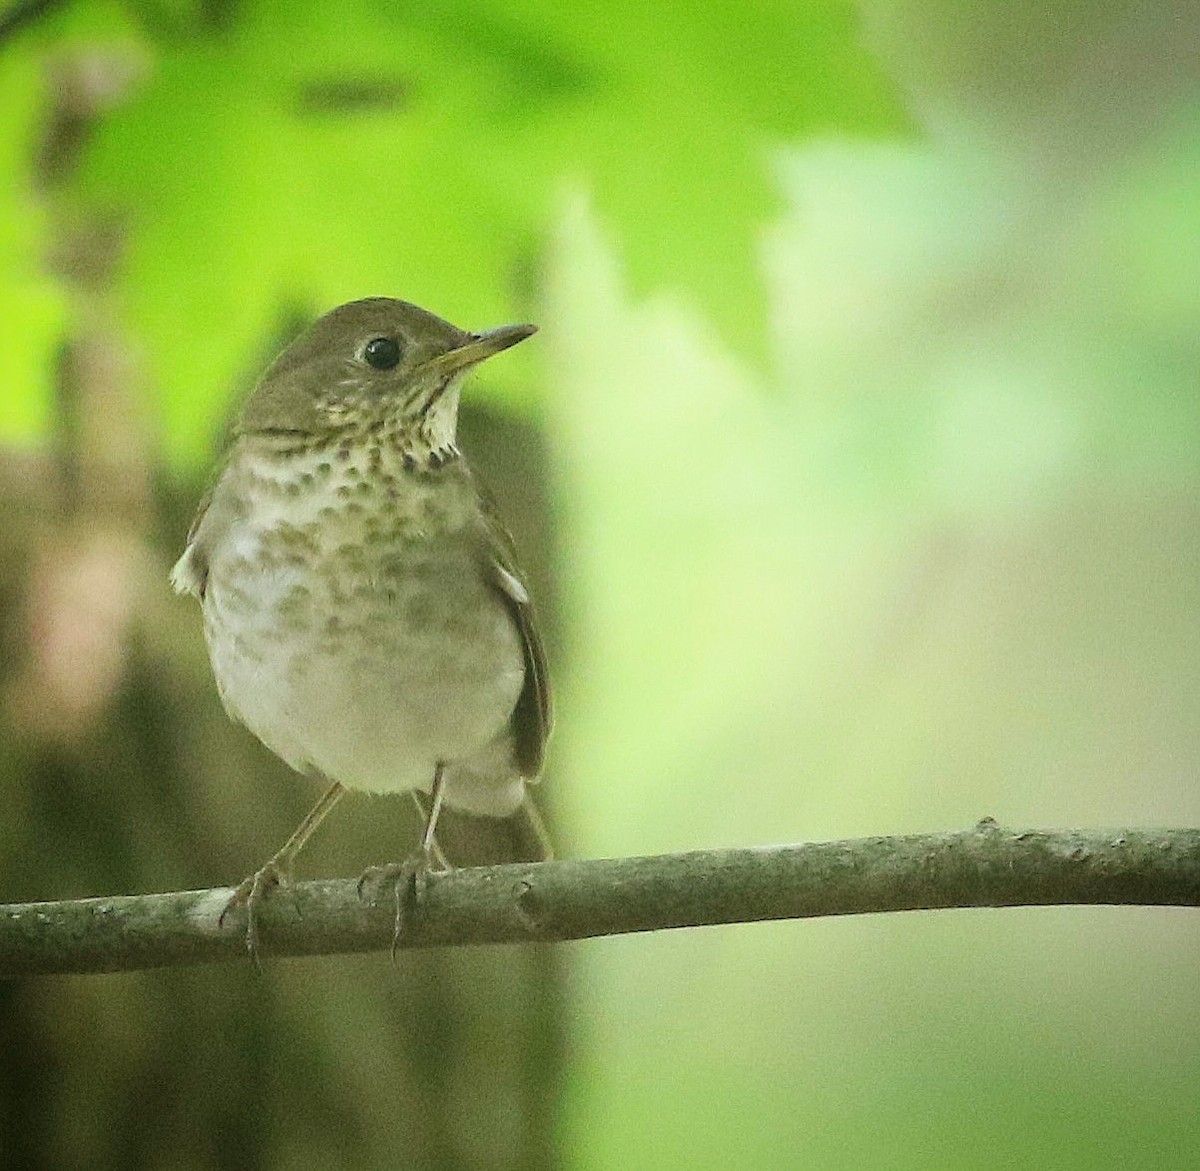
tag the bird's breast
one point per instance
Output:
(351, 624)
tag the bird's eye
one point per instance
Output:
(382, 352)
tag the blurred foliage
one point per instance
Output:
(318, 152)
(867, 400)
(939, 561)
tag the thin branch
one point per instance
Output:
(984, 867)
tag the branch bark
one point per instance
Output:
(987, 866)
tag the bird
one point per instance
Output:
(363, 608)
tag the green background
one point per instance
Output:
(857, 461)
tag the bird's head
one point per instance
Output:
(375, 360)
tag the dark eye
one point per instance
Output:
(382, 352)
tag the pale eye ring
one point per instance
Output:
(382, 353)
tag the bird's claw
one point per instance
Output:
(250, 893)
(409, 881)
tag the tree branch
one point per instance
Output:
(984, 867)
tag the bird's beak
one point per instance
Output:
(479, 346)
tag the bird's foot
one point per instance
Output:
(249, 894)
(409, 881)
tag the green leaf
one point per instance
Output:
(311, 153)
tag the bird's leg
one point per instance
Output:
(439, 857)
(409, 878)
(277, 869)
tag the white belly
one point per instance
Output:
(371, 675)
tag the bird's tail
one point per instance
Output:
(470, 839)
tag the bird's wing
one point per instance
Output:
(190, 572)
(533, 717)
(220, 505)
